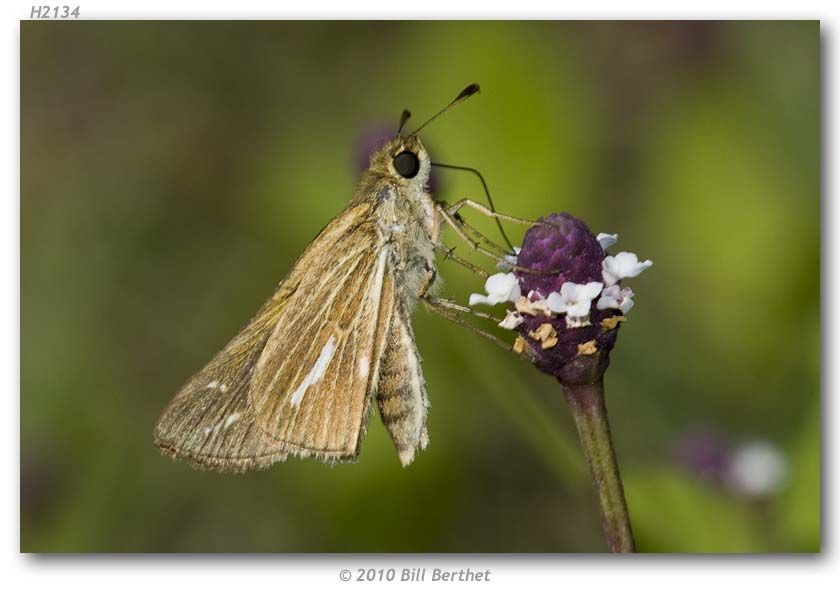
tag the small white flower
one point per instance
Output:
(511, 321)
(575, 300)
(509, 260)
(607, 239)
(615, 297)
(758, 468)
(501, 287)
(623, 264)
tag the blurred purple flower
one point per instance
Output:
(754, 469)
(371, 140)
(703, 452)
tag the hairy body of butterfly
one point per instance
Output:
(301, 376)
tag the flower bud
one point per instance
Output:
(570, 260)
(569, 304)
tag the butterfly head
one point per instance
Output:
(405, 160)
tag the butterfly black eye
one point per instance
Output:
(407, 164)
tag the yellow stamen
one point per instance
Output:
(587, 348)
(612, 322)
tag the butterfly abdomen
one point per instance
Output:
(402, 390)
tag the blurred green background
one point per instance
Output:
(171, 172)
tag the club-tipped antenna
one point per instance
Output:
(468, 91)
(406, 115)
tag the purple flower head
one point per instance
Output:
(568, 249)
(567, 297)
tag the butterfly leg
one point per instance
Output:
(461, 226)
(428, 281)
(441, 310)
(454, 208)
(444, 309)
(455, 307)
(449, 254)
(459, 229)
(483, 238)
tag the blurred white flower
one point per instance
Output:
(501, 287)
(575, 300)
(615, 297)
(623, 264)
(607, 239)
(757, 469)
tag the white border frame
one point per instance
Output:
(240, 576)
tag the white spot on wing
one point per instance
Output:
(364, 367)
(223, 387)
(230, 420)
(213, 384)
(316, 372)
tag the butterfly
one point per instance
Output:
(300, 378)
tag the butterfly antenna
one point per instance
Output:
(468, 91)
(406, 115)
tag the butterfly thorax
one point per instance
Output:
(406, 216)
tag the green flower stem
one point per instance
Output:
(590, 414)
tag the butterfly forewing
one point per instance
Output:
(316, 402)
(294, 379)
(209, 423)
